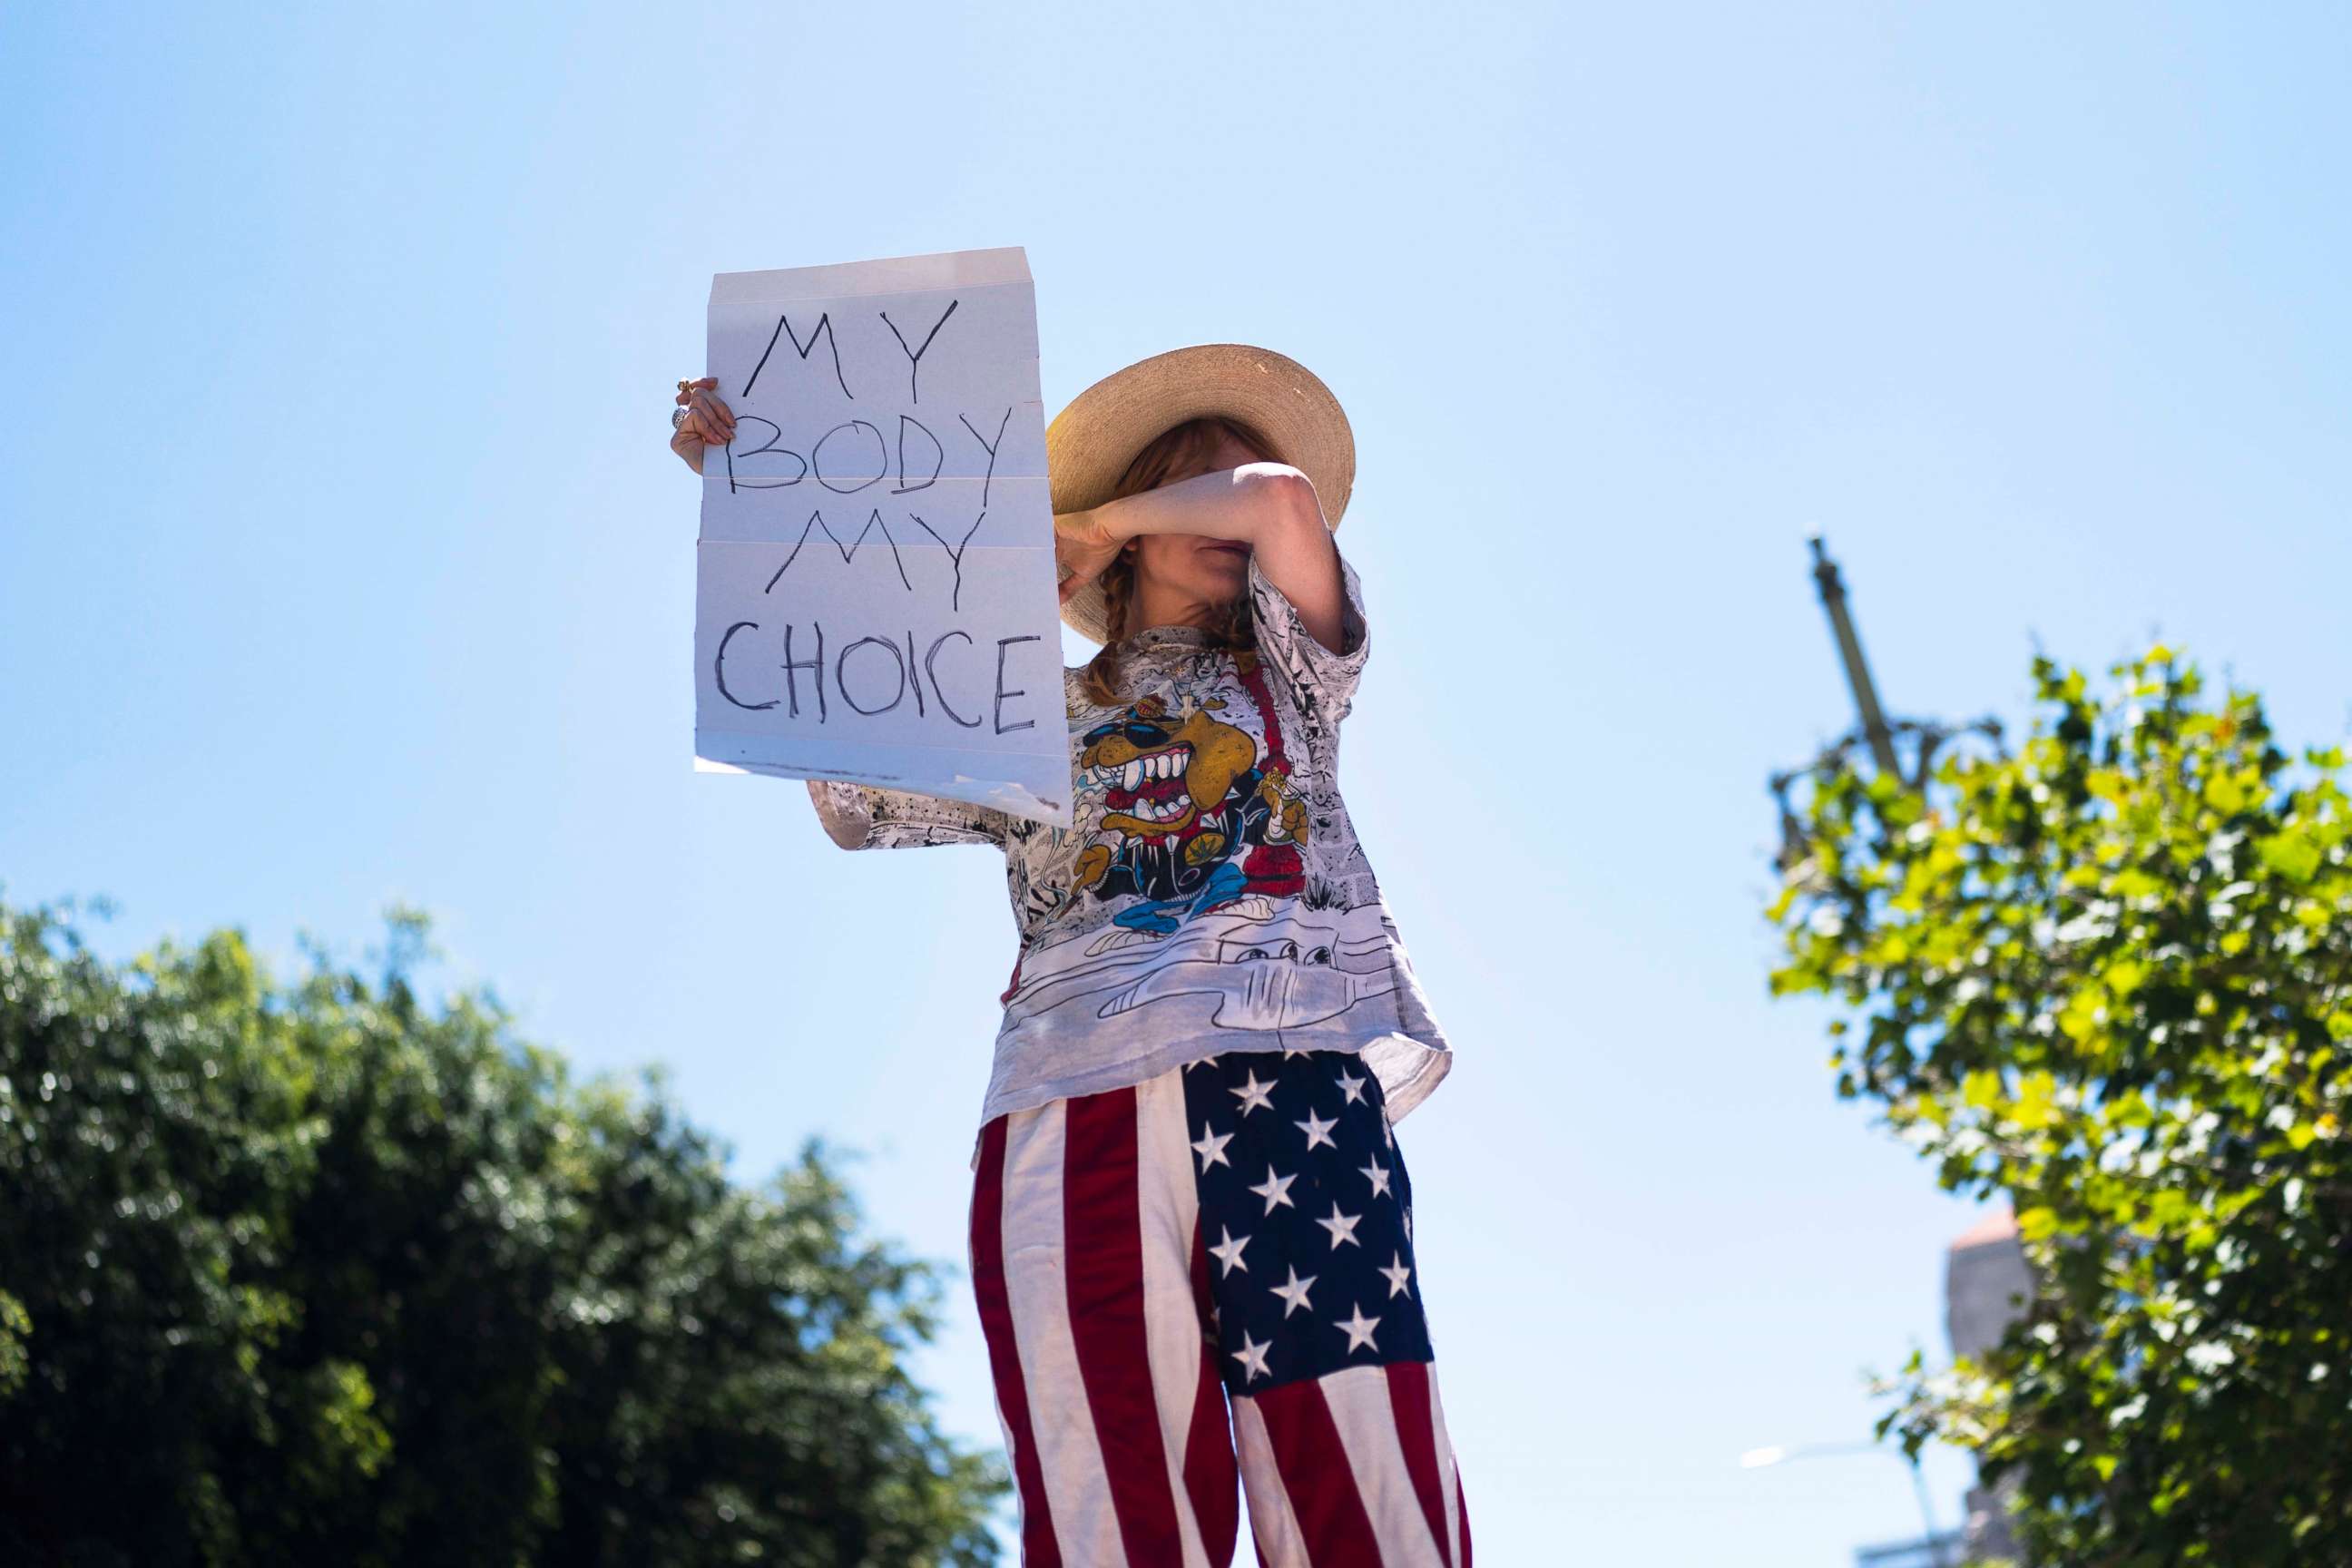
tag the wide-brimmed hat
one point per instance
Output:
(1090, 443)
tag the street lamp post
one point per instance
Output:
(1880, 734)
(1758, 1459)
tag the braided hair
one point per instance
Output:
(1176, 449)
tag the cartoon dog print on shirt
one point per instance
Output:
(1194, 820)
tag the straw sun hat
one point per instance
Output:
(1090, 443)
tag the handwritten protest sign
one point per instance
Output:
(875, 593)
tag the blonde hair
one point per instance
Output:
(1174, 449)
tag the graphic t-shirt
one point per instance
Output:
(1210, 895)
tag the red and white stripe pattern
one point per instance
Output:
(1095, 1291)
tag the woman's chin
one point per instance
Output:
(1226, 565)
(1222, 590)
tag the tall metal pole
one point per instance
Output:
(1881, 737)
(1857, 669)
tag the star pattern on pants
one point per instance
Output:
(1305, 1217)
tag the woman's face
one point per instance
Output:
(1197, 566)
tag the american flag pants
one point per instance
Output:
(1235, 1236)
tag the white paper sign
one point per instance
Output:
(875, 585)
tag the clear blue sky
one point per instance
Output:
(342, 559)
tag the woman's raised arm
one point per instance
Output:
(1271, 505)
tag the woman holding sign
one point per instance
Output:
(1189, 1201)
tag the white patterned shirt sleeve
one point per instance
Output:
(863, 816)
(1321, 684)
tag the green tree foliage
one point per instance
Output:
(2110, 977)
(314, 1273)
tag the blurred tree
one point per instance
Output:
(313, 1273)
(2110, 977)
